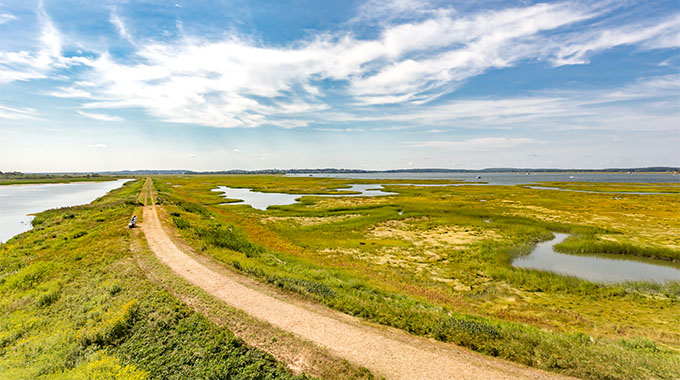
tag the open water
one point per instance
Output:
(17, 202)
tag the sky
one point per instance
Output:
(218, 85)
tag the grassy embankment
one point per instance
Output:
(75, 305)
(434, 261)
(18, 179)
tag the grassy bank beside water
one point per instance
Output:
(75, 305)
(19, 179)
(434, 261)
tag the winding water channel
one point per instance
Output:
(261, 201)
(597, 268)
(18, 202)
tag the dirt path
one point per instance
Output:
(388, 353)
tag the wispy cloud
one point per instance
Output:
(97, 146)
(578, 47)
(100, 116)
(120, 26)
(12, 113)
(602, 109)
(6, 17)
(235, 83)
(70, 92)
(38, 63)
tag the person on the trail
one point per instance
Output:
(133, 221)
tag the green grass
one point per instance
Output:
(75, 305)
(326, 250)
(6, 179)
(590, 244)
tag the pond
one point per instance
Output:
(261, 201)
(17, 202)
(597, 268)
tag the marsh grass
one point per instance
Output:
(591, 244)
(74, 305)
(37, 178)
(537, 318)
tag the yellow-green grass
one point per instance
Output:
(75, 305)
(671, 187)
(37, 179)
(435, 261)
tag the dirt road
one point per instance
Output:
(388, 353)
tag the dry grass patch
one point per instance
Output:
(305, 221)
(335, 203)
(449, 236)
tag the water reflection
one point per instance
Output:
(597, 268)
(18, 201)
(261, 201)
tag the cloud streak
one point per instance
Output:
(11, 113)
(6, 17)
(100, 116)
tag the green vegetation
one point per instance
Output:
(434, 261)
(14, 178)
(591, 244)
(74, 304)
(618, 187)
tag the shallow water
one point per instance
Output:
(261, 201)
(520, 178)
(597, 268)
(18, 201)
(597, 192)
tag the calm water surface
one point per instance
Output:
(18, 201)
(261, 201)
(597, 268)
(597, 192)
(515, 178)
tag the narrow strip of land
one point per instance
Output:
(393, 355)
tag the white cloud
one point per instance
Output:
(26, 65)
(605, 109)
(69, 92)
(471, 45)
(12, 113)
(385, 11)
(577, 48)
(97, 146)
(223, 83)
(6, 17)
(100, 116)
(120, 26)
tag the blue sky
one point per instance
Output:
(214, 85)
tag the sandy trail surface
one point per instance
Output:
(386, 352)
